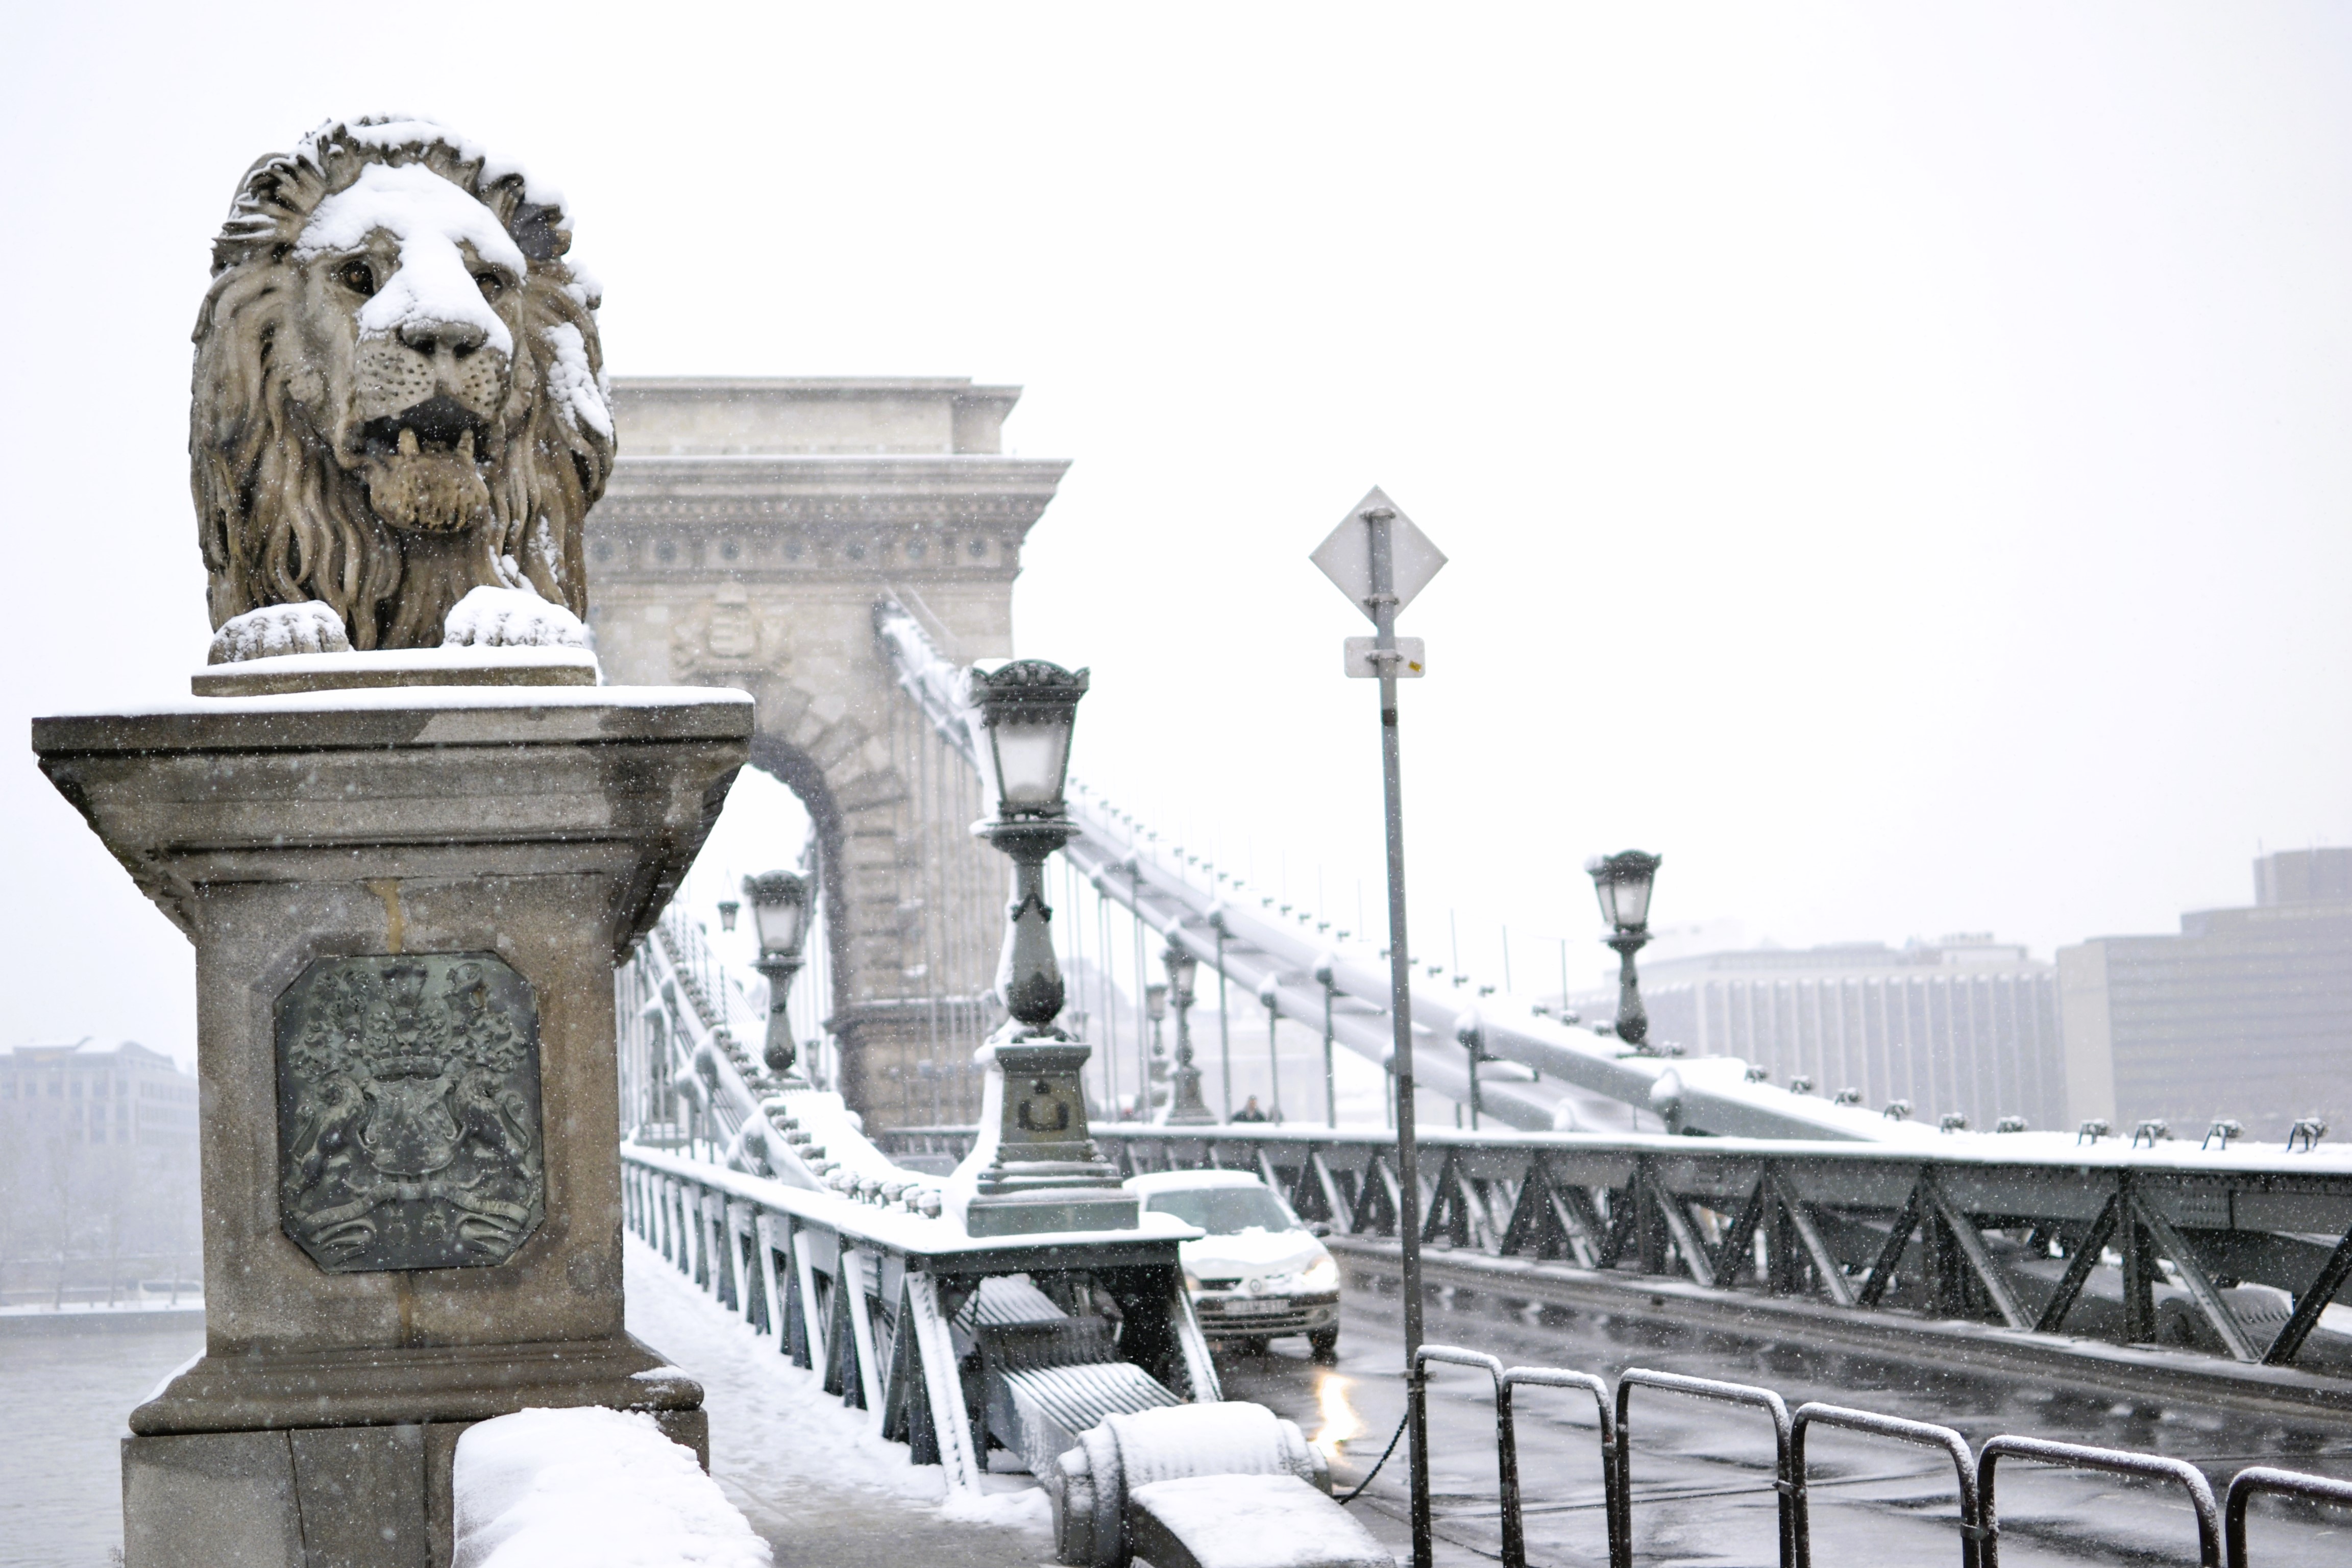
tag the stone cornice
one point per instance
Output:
(830, 493)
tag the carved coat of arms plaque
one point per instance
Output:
(408, 1120)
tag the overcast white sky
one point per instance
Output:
(1892, 458)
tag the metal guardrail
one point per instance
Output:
(1721, 1393)
(1922, 1434)
(2113, 1462)
(2247, 1484)
(1978, 1523)
(2232, 1252)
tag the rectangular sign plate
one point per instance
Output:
(1359, 657)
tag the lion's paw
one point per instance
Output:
(273, 630)
(510, 618)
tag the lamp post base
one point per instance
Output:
(1185, 1107)
(1034, 1167)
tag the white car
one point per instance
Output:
(1259, 1272)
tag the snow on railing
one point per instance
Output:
(782, 1128)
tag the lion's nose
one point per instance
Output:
(430, 337)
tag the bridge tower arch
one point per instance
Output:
(750, 529)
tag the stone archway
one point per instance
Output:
(748, 530)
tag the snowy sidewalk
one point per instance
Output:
(814, 1477)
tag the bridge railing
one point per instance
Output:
(874, 1296)
(2236, 1252)
(1978, 1522)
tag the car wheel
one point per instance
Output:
(1325, 1344)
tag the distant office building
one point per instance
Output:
(98, 1173)
(89, 1093)
(1965, 1025)
(2247, 1013)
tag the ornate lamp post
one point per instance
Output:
(1623, 881)
(780, 910)
(1185, 1108)
(1151, 1056)
(1027, 709)
(1326, 966)
(1033, 1166)
(1273, 1000)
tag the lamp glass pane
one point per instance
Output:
(1633, 901)
(780, 925)
(1029, 756)
(1605, 886)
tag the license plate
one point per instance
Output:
(1258, 1308)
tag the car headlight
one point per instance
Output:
(1323, 1274)
(1192, 1280)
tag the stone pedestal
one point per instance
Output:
(1035, 1167)
(407, 905)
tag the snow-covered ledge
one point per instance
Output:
(591, 1488)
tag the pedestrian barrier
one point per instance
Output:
(1980, 1529)
(2246, 1483)
(2114, 1462)
(1925, 1434)
(1784, 1480)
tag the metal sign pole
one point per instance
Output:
(1383, 605)
(1380, 567)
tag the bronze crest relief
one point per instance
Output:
(408, 1117)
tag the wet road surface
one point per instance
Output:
(1702, 1473)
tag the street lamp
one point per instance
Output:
(1225, 1027)
(1622, 880)
(1026, 710)
(1153, 1055)
(1272, 999)
(780, 908)
(1185, 1108)
(1326, 967)
(1033, 1167)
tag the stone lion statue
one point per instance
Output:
(399, 401)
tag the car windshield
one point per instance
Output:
(1225, 1211)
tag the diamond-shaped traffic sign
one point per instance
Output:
(1345, 557)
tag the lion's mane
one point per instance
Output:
(280, 518)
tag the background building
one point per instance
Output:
(98, 1172)
(1965, 1025)
(2246, 1013)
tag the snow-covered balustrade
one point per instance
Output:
(890, 1304)
(684, 1018)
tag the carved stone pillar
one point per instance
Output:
(406, 906)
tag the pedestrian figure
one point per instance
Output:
(1250, 1112)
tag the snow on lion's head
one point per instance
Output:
(399, 393)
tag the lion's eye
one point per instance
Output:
(492, 285)
(358, 277)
